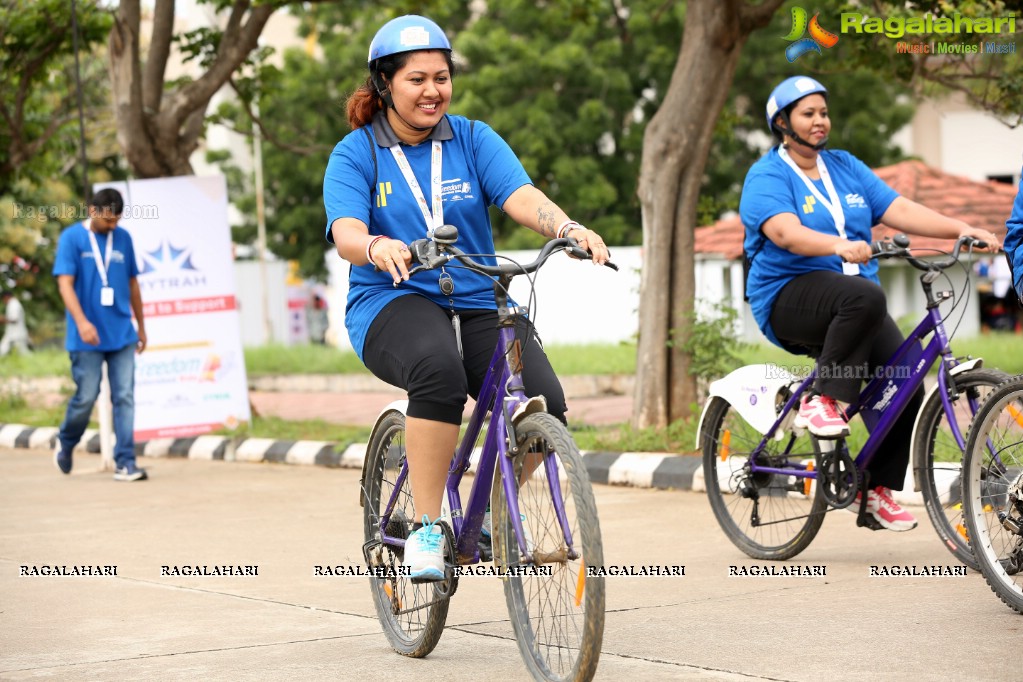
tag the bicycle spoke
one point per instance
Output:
(557, 613)
(412, 615)
(766, 515)
(993, 491)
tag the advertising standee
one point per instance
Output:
(191, 380)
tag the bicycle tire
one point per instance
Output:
(992, 472)
(788, 515)
(937, 459)
(416, 632)
(558, 632)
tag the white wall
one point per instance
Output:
(251, 285)
(949, 135)
(576, 302)
(717, 279)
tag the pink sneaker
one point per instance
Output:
(821, 417)
(887, 511)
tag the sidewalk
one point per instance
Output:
(361, 409)
(357, 400)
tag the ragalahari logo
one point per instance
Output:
(819, 37)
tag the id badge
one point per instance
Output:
(850, 268)
(456, 322)
(106, 296)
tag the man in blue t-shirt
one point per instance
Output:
(96, 274)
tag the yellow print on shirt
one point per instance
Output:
(808, 203)
(382, 192)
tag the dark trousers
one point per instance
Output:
(411, 344)
(843, 322)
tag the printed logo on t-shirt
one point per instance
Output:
(808, 201)
(115, 256)
(456, 189)
(383, 191)
(853, 200)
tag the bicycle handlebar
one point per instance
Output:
(434, 253)
(898, 247)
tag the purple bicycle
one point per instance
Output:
(530, 477)
(770, 483)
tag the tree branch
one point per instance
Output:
(237, 42)
(270, 137)
(159, 50)
(752, 17)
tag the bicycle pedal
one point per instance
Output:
(428, 581)
(869, 522)
(486, 548)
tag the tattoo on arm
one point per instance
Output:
(545, 219)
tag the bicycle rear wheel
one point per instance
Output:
(937, 459)
(412, 615)
(558, 619)
(767, 516)
(992, 495)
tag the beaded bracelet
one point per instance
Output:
(369, 247)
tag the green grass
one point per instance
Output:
(679, 437)
(306, 429)
(43, 363)
(14, 409)
(998, 350)
(307, 359)
(311, 359)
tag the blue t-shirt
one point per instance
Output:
(75, 257)
(772, 188)
(1013, 242)
(478, 170)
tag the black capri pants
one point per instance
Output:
(411, 344)
(843, 322)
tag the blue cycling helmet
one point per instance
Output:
(789, 91)
(407, 34)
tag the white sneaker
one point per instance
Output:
(424, 552)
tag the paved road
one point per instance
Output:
(286, 622)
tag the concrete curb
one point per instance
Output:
(636, 469)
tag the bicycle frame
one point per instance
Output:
(884, 399)
(502, 386)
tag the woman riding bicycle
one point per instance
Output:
(812, 285)
(407, 168)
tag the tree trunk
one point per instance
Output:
(675, 149)
(157, 129)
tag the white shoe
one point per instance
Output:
(424, 552)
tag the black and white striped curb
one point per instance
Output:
(637, 469)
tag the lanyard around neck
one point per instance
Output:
(435, 218)
(101, 264)
(832, 203)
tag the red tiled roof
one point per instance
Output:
(981, 204)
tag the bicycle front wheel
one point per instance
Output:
(412, 615)
(767, 516)
(937, 458)
(993, 491)
(558, 618)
